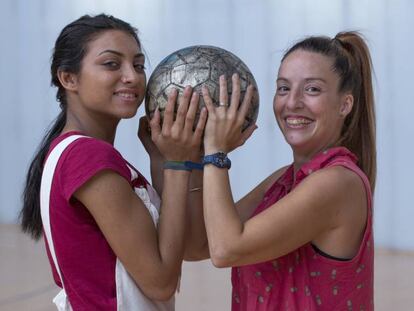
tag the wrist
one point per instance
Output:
(157, 158)
(212, 150)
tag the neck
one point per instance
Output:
(93, 127)
(300, 158)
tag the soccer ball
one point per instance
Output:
(196, 66)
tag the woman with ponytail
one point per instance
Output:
(302, 239)
(108, 246)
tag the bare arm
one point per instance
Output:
(151, 255)
(197, 243)
(196, 247)
(318, 206)
(196, 237)
(156, 158)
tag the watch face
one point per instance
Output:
(218, 159)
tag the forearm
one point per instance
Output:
(196, 245)
(157, 173)
(224, 227)
(171, 226)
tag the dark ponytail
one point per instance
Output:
(352, 62)
(31, 220)
(70, 48)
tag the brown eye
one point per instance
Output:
(111, 65)
(313, 89)
(139, 67)
(282, 90)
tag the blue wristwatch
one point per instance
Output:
(218, 159)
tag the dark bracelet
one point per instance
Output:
(183, 166)
(194, 165)
(176, 165)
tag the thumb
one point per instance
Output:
(155, 124)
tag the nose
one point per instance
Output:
(129, 75)
(295, 99)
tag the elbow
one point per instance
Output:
(162, 291)
(163, 294)
(222, 257)
(197, 254)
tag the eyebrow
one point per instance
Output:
(119, 53)
(306, 79)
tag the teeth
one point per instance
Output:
(297, 121)
(127, 95)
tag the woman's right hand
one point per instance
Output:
(176, 140)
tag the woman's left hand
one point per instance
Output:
(144, 135)
(223, 130)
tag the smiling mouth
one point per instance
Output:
(128, 96)
(297, 122)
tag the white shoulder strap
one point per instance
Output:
(45, 187)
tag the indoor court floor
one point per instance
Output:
(26, 283)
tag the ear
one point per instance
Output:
(346, 105)
(68, 80)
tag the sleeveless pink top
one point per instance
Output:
(307, 279)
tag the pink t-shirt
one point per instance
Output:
(86, 261)
(306, 279)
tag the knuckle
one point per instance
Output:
(189, 118)
(180, 113)
(175, 136)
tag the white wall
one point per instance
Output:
(258, 32)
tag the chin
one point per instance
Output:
(129, 115)
(296, 141)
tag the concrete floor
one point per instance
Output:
(26, 283)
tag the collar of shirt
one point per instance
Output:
(320, 160)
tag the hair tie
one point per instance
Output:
(339, 42)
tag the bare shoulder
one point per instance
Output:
(338, 180)
(341, 195)
(340, 191)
